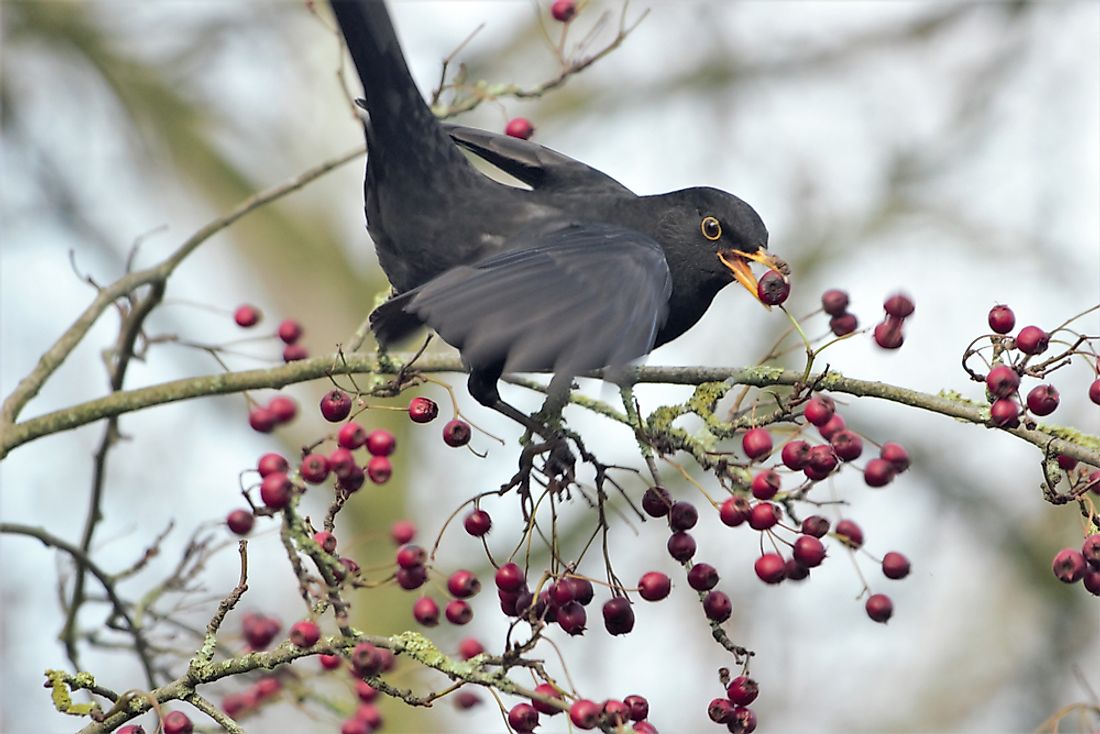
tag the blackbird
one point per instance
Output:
(572, 274)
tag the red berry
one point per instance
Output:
(720, 710)
(795, 455)
(1069, 566)
(381, 442)
(834, 302)
(1090, 550)
(247, 316)
(547, 691)
(681, 546)
(467, 700)
(477, 523)
(888, 334)
(423, 410)
(330, 662)
(523, 718)
(314, 468)
(843, 324)
(847, 445)
(351, 436)
(1091, 581)
(305, 633)
(519, 127)
(764, 515)
(1004, 413)
(367, 660)
(1032, 340)
(1094, 392)
(402, 532)
(895, 565)
(582, 589)
(819, 409)
(294, 353)
(353, 480)
(509, 577)
(809, 551)
(879, 607)
(470, 648)
(259, 630)
(341, 463)
(654, 586)
(412, 577)
(1066, 463)
(1043, 399)
(702, 577)
(822, 461)
(290, 331)
(283, 408)
(326, 540)
(463, 584)
(850, 533)
(832, 427)
(335, 405)
(637, 707)
(379, 469)
(1002, 381)
(878, 473)
(682, 516)
(656, 501)
(897, 456)
(816, 526)
(1001, 319)
(757, 443)
(618, 616)
(271, 463)
(584, 713)
(240, 521)
(742, 721)
(276, 490)
(561, 592)
(176, 722)
(354, 726)
(563, 11)
(458, 612)
(717, 606)
(368, 713)
(734, 511)
(261, 419)
(795, 571)
(899, 306)
(409, 556)
(773, 288)
(456, 433)
(766, 484)
(426, 611)
(770, 568)
(615, 712)
(742, 690)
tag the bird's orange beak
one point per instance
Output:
(738, 264)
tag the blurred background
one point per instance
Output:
(948, 150)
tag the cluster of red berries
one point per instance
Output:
(456, 432)
(733, 710)
(888, 333)
(174, 722)
(289, 331)
(1071, 566)
(611, 715)
(279, 410)
(835, 304)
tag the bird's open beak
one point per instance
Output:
(738, 264)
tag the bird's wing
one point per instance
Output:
(576, 298)
(537, 166)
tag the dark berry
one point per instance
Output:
(770, 568)
(717, 606)
(1091, 581)
(272, 463)
(766, 484)
(176, 722)
(899, 306)
(843, 324)
(305, 633)
(1066, 463)
(1032, 340)
(654, 586)
(294, 353)
(247, 316)
(562, 11)
(463, 584)
(402, 531)
(1090, 550)
(795, 454)
(584, 713)
(850, 533)
(681, 546)
(637, 707)
(816, 526)
(656, 501)
(547, 691)
(458, 612)
(509, 577)
(682, 516)
(412, 577)
(261, 419)
(379, 469)
(734, 511)
(582, 589)
(742, 690)
(834, 302)
(456, 433)
(341, 463)
(276, 490)
(895, 565)
(352, 480)
(847, 445)
(809, 551)
(1002, 381)
(720, 710)
(1001, 319)
(618, 616)
(888, 334)
(477, 523)
(795, 571)
(523, 718)
(283, 408)
(519, 127)
(351, 436)
(326, 540)
(757, 443)
(314, 468)
(702, 577)
(878, 473)
(879, 608)
(764, 515)
(1094, 392)
(335, 405)
(259, 630)
(1043, 399)
(1004, 413)
(426, 611)
(561, 592)
(381, 442)
(240, 521)
(1069, 566)
(367, 660)
(819, 410)
(290, 331)
(895, 454)
(773, 288)
(742, 721)
(822, 459)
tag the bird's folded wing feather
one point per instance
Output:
(576, 298)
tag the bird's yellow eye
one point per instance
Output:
(712, 230)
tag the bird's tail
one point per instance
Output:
(402, 126)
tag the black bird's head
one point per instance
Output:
(715, 232)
